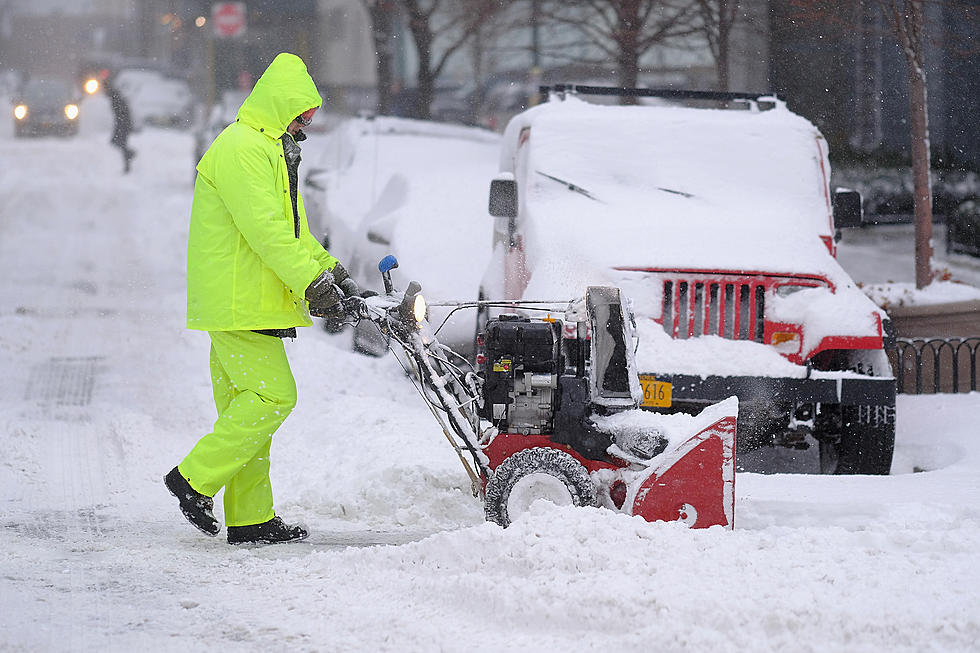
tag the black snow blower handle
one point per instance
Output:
(386, 265)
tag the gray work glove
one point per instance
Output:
(325, 296)
(348, 285)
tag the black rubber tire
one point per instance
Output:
(866, 444)
(537, 460)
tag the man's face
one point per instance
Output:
(294, 127)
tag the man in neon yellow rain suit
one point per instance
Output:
(252, 268)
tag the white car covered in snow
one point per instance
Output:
(380, 185)
(719, 225)
(155, 99)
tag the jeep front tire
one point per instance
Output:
(865, 444)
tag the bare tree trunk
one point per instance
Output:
(717, 18)
(723, 63)
(623, 30)
(452, 25)
(906, 19)
(627, 37)
(382, 31)
(420, 26)
(921, 177)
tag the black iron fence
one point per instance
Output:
(934, 365)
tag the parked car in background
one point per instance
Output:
(415, 189)
(155, 99)
(720, 227)
(46, 106)
(10, 81)
(211, 123)
(888, 191)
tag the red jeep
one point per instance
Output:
(713, 213)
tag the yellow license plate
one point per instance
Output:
(655, 393)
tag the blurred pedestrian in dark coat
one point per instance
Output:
(123, 122)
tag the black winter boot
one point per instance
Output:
(196, 507)
(273, 531)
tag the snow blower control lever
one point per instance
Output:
(550, 410)
(386, 265)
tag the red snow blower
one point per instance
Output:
(551, 410)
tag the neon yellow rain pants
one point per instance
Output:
(254, 392)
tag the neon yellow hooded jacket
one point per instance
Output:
(246, 266)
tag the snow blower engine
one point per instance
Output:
(536, 376)
(551, 411)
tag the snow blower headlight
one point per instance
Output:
(419, 308)
(413, 308)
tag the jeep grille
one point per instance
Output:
(730, 309)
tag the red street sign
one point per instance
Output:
(229, 19)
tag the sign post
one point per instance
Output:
(229, 22)
(229, 19)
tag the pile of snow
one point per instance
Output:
(891, 295)
(104, 391)
(709, 355)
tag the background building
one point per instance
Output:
(847, 73)
(840, 67)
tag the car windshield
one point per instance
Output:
(712, 155)
(50, 90)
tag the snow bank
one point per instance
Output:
(890, 295)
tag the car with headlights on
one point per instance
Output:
(46, 106)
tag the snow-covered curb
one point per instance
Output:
(891, 295)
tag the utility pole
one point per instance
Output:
(535, 35)
(907, 20)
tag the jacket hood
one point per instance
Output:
(284, 91)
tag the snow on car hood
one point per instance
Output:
(667, 187)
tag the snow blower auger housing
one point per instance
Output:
(551, 411)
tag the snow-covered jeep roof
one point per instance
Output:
(669, 187)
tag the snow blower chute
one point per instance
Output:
(551, 410)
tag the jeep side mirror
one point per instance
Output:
(503, 198)
(848, 211)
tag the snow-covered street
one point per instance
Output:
(104, 391)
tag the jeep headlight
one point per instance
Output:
(787, 289)
(20, 111)
(71, 111)
(786, 342)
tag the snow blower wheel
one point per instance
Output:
(536, 473)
